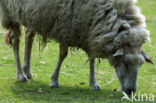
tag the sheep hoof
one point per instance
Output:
(27, 72)
(29, 76)
(22, 78)
(54, 85)
(95, 87)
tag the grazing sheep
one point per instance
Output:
(112, 29)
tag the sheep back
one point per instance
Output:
(97, 26)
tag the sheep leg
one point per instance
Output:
(54, 78)
(15, 36)
(29, 38)
(93, 84)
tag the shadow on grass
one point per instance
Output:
(38, 91)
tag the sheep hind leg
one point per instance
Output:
(93, 84)
(29, 38)
(15, 38)
(62, 55)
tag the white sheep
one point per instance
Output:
(112, 29)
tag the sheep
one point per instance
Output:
(111, 29)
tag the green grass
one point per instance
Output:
(74, 71)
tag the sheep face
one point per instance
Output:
(127, 62)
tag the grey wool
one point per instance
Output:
(99, 27)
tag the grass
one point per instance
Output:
(74, 74)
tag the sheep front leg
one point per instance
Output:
(62, 55)
(15, 35)
(93, 84)
(29, 38)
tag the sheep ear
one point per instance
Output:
(119, 52)
(146, 57)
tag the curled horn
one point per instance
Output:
(147, 58)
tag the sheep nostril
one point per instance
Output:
(129, 91)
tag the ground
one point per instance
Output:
(74, 75)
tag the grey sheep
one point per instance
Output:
(112, 29)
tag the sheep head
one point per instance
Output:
(127, 62)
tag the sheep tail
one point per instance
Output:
(7, 38)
